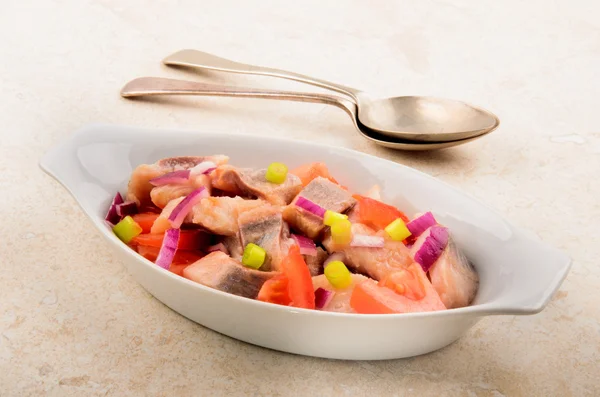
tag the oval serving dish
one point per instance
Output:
(518, 273)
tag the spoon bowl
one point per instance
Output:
(411, 146)
(426, 119)
(405, 118)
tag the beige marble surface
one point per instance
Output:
(73, 322)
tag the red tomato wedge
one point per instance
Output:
(370, 298)
(310, 171)
(150, 253)
(300, 286)
(187, 257)
(178, 268)
(275, 290)
(181, 260)
(188, 240)
(145, 220)
(376, 214)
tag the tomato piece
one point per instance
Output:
(376, 214)
(310, 171)
(275, 290)
(406, 282)
(187, 257)
(178, 268)
(293, 287)
(365, 300)
(370, 298)
(181, 260)
(188, 240)
(145, 220)
(149, 239)
(193, 240)
(150, 253)
(300, 286)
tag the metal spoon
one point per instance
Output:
(155, 86)
(414, 118)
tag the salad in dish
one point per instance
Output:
(290, 237)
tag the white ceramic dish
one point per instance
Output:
(518, 272)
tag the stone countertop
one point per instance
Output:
(73, 322)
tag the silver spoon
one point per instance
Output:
(155, 86)
(414, 118)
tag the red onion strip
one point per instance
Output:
(204, 167)
(323, 297)
(311, 207)
(168, 248)
(185, 206)
(175, 177)
(307, 246)
(432, 248)
(126, 208)
(419, 225)
(112, 216)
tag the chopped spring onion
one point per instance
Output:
(338, 274)
(418, 225)
(276, 173)
(311, 207)
(323, 297)
(126, 208)
(332, 217)
(341, 232)
(185, 206)
(168, 248)
(218, 247)
(433, 247)
(397, 230)
(205, 167)
(367, 241)
(112, 216)
(175, 177)
(306, 245)
(127, 229)
(254, 256)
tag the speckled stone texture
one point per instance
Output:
(74, 323)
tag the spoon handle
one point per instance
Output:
(199, 59)
(153, 86)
